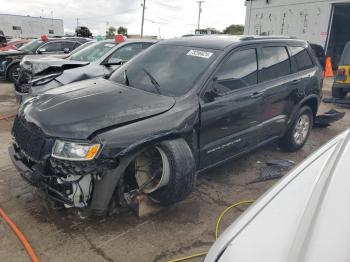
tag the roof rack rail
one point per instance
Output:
(257, 37)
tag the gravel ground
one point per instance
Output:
(182, 229)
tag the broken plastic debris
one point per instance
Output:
(274, 169)
(328, 117)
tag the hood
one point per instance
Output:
(37, 64)
(77, 110)
(13, 53)
(304, 218)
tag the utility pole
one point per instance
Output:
(78, 21)
(143, 16)
(199, 12)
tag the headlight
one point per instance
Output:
(74, 151)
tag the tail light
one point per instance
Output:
(341, 72)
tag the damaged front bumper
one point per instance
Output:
(69, 183)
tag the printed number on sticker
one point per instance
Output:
(199, 53)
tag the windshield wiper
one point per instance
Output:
(153, 81)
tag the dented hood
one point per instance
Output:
(38, 64)
(77, 110)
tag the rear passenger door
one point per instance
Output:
(230, 108)
(275, 76)
(306, 71)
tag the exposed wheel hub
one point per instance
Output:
(152, 170)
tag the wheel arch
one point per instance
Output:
(312, 102)
(190, 138)
(8, 68)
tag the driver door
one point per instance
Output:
(231, 108)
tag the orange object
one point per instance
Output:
(7, 117)
(20, 235)
(328, 69)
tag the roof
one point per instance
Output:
(28, 16)
(220, 42)
(304, 217)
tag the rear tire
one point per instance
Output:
(13, 73)
(181, 167)
(299, 131)
(338, 93)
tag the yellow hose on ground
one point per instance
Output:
(216, 230)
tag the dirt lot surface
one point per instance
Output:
(183, 229)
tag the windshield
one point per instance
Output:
(166, 69)
(93, 52)
(31, 46)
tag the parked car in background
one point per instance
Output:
(9, 60)
(65, 55)
(180, 107)
(302, 218)
(37, 75)
(14, 44)
(341, 85)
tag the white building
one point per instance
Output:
(323, 22)
(15, 26)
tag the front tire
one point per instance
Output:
(299, 131)
(177, 168)
(13, 73)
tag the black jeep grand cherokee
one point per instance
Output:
(179, 108)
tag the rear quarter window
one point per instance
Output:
(275, 62)
(301, 57)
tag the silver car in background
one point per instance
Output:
(39, 74)
(304, 218)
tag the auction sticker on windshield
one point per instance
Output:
(199, 53)
(109, 45)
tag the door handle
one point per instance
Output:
(296, 81)
(256, 94)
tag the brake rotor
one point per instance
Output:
(152, 170)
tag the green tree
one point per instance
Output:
(110, 32)
(122, 30)
(234, 30)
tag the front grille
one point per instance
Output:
(31, 141)
(78, 168)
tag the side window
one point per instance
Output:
(275, 62)
(146, 45)
(77, 44)
(240, 70)
(53, 47)
(69, 45)
(125, 53)
(301, 58)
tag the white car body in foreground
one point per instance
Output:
(303, 218)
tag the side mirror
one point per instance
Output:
(41, 50)
(114, 61)
(66, 50)
(210, 95)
